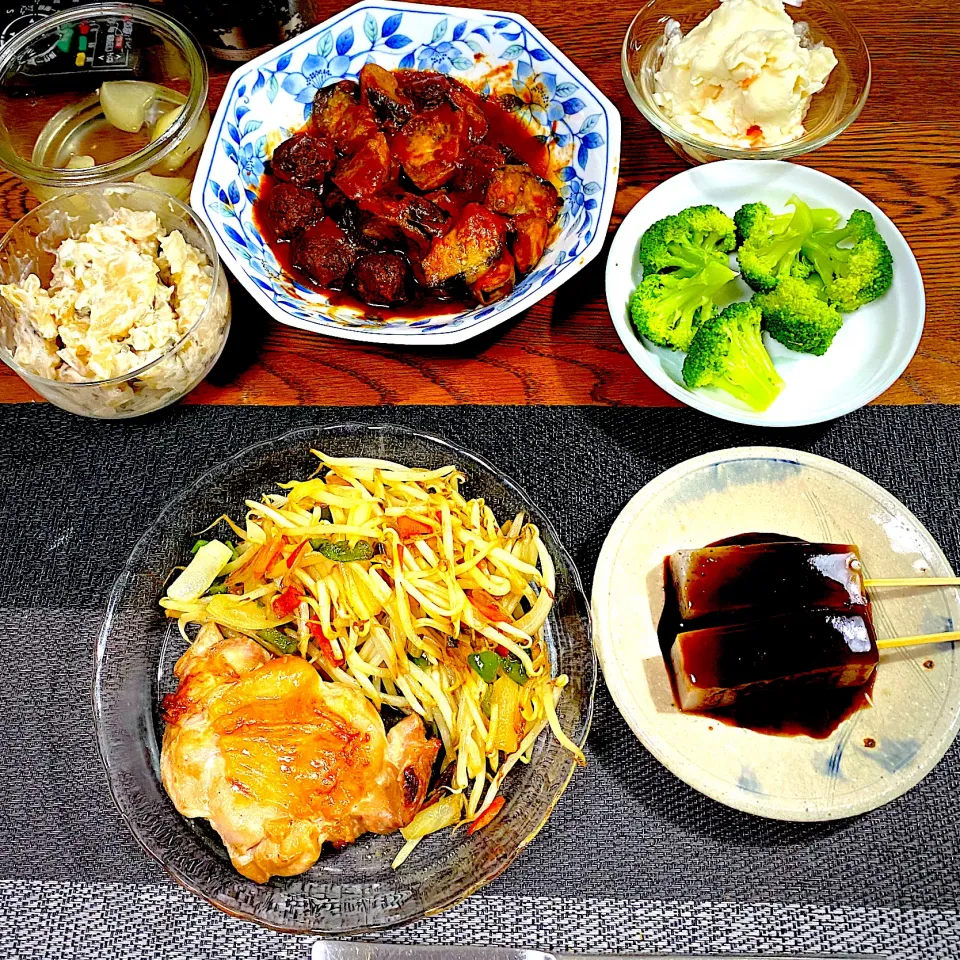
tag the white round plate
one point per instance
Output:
(916, 697)
(869, 353)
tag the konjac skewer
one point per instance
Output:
(767, 619)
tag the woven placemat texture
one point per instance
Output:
(631, 861)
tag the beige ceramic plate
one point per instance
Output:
(916, 708)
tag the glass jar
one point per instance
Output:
(66, 80)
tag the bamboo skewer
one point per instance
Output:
(895, 642)
(914, 582)
(916, 641)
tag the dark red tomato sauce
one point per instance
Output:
(507, 129)
(423, 306)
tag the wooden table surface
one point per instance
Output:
(903, 152)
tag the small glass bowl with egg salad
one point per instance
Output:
(738, 89)
(103, 93)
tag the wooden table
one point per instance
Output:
(903, 152)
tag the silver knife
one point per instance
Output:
(324, 950)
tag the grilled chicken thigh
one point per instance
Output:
(280, 761)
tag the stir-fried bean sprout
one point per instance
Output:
(386, 579)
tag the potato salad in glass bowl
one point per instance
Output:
(113, 302)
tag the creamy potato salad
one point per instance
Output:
(120, 296)
(743, 77)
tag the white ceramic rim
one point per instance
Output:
(929, 754)
(590, 252)
(647, 361)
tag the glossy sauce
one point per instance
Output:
(806, 708)
(504, 128)
(424, 305)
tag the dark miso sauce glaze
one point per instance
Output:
(504, 128)
(790, 710)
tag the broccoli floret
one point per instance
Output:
(728, 352)
(853, 261)
(797, 317)
(770, 243)
(667, 308)
(687, 241)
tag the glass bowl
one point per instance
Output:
(354, 890)
(831, 111)
(50, 109)
(29, 246)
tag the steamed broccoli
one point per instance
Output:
(770, 244)
(687, 241)
(728, 352)
(853, 261)
(797, 317)
(667, 308)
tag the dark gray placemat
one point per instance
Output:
(632, 860)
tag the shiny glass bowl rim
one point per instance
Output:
(144, 158)
(186, 214)
(793, 148)
(462, 456)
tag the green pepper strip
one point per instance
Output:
(340, 552)
(486, 664)
(278, 640)
(513, 668)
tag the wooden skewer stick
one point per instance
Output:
(914, 582)
(916, 641)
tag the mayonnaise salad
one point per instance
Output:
(122, 295)
(743, 77)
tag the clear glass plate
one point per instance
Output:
(355, 890)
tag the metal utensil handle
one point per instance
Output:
(355, 950)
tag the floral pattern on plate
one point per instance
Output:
(271, 96)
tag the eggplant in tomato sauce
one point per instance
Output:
(408, 188)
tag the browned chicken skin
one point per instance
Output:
(432, 189)
(281, 762)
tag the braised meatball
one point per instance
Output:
(381, 278)
(426, 89)
(293, 209)
(303, 160)
(325, 254)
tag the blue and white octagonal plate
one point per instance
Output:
(495, 53)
